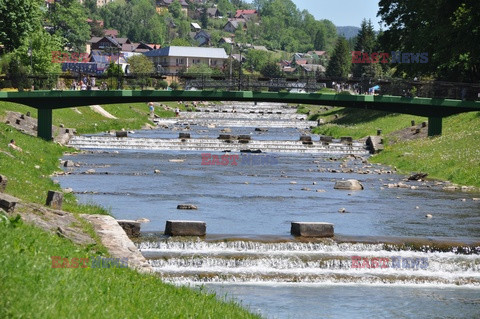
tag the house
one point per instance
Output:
(225, 40)
(232, 26)
(259, 47)
(246, 14)
(106, 43)
(161, 6)
(99, 22)
(111, 33)
(136, 47)
(101, 3)
(203, 38)
(313, 68)
(195, 27)
(174, 58)
(213, 13)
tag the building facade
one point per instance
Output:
(173, 59)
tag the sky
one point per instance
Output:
(342, 12)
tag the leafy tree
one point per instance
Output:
(68, 19)
(225, 7)
(96, 30)
(180, 43)
(201, 68)
(341, 60)
(271, 70)
(175, 8)
(257, 59)
(447, 30)
(17, 73)
(17, 19)
(40, 46)
(140, 64)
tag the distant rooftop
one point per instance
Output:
(190, 52)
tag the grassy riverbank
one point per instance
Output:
(30, 288)
(454, 156)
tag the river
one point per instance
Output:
(249, 254)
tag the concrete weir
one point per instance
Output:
(219, 145)
(185, 228)
(309, 229)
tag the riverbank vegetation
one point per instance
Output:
(454, 156)
(31, 288)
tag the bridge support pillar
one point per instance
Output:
(45, 124)
(434, 126)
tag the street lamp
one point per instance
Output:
(241, 49)
(30, 54)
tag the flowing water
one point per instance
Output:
(386, 260)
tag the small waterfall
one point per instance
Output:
(256, 262)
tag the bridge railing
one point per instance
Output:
(397, 87)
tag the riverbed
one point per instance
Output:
(249, 254)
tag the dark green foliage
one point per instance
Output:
(341, 60)
(17, 19)
(449, 31)
(271, 70)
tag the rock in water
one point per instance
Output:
(350, 184)
(417, 176)
(186, 206)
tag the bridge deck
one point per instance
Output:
(46, 101)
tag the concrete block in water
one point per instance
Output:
(8, 202)
(309, 229)
(54, 199)
(184, 135)
(375, 144)
(224, 136)
(244, 137)
(121, 134)
(185, 228)
(346, 140)
(3, 183)
(131, 227)
(326, 139)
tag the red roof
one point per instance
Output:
(245, 12)
(301, 61)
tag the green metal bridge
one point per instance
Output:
(46, 101)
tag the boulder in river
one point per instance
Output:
(350, 184)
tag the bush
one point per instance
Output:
(174, 85)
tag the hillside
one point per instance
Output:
(348, 32)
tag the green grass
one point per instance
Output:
(360, 123)
(29, 183)
(454, 156)
(31, 288)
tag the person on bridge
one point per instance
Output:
(151, 109)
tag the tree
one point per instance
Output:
(366, 42)
(341, 60)
(175, 8)
(17, 19)
(69, 21)
(271, 70)
(204, 18)
(36, 53)
(180, 43)
(448, 31)
(140, 64)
